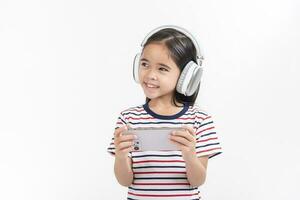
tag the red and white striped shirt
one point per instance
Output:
(162, 174)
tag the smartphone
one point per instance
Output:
(153, 139)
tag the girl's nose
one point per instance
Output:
(151, 75)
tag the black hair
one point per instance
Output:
(182, 50)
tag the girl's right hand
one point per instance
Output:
(123, 143)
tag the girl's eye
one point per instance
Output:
(163, 69)
(144, 64)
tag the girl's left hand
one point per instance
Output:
(185, 140)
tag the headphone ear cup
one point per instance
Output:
(136, 65)
(179, 86)
(189, 79)
(195, 81)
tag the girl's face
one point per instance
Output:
(158, 73)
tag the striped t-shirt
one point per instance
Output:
(162, 174)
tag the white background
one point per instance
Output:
(65, 74)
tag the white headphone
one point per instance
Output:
(191, 75)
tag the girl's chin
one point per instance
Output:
(151, 92)
(150, 96)
(154, 94)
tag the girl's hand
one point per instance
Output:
(123, 143)
(185, 140)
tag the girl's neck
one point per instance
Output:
(164, 107)
(164, 103)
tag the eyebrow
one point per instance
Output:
(162, 64)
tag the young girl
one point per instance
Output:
(169, 71)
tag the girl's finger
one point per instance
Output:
(128, 137)
(118, 131)
(180, 140)
(124, 145)
(184, 134)
(127, 150)
(190, 130)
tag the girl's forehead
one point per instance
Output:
(157, 52)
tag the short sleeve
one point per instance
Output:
(208, 143)
(111, 147)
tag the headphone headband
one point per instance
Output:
(180, 29)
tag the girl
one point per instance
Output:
(169, 71)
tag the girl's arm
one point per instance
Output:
(122, 167)
(195, 169)
(123, 170)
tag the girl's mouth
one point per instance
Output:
(148, 85)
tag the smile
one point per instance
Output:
(150, 85)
